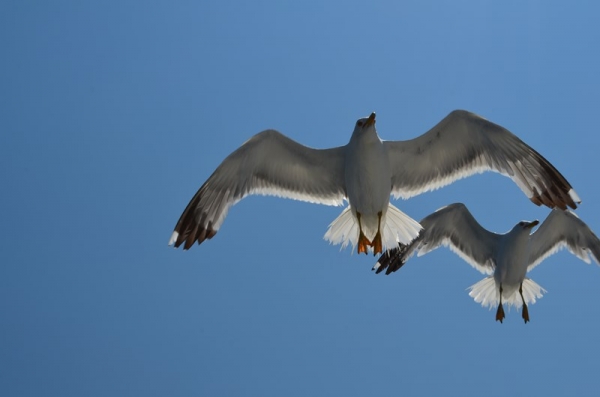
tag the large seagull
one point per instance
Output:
(365, 172)
(505, 257)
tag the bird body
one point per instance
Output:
(365, 172)
(506, 258)
(368, 187)
(511, 258)
(368, 182)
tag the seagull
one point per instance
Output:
(365, 172)
(506, 258)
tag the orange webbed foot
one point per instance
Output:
(363, 243)
(376, 244)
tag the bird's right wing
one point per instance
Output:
(563, 229)
(463, 144)
(452, 226)
(269, 163)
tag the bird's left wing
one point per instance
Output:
(452, 226)
(563, 229)
(463, 144)
(269, 163)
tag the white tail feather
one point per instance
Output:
(397, 228)
(486, 293)
(532, 291)
(343, 229)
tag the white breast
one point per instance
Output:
(368, 179)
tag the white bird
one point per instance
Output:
(505, 257)
(365, 172)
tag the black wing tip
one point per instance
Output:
(196, 235)
(391, 260)
(558, 193)
(193, 225)
(380, 268)
(554, 199)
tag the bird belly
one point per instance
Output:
(510, 276)
(369, 185)
(508, 290)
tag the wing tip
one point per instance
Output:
(574, 196)
(198, 234)
(173, 238)
(555, 199)
(391, 260)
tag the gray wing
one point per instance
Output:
(463, 144)
(269, 163)
(452, 226)
(563, 229)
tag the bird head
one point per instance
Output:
(526, 225)
(366, 122)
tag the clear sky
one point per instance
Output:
(112, 115)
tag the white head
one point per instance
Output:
(365, 127)
(524, 227)
(365, 123)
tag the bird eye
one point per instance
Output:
(359, 123)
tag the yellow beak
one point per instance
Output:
(370, 120)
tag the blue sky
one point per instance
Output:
(113, 114)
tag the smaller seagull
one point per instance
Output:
(506, 258)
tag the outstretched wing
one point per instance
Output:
(563, 229)
(452, 226)
(463, 144)
(268, 164)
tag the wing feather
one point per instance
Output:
(463, 144)
(452, 226)
(563, 229)
(269, 163)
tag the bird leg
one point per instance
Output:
(500, 313)
(363, 241)
(525, 310)
(376, 244)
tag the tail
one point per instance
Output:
(398, 228)
(486, 293)
(343, 229)
(531, 291)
